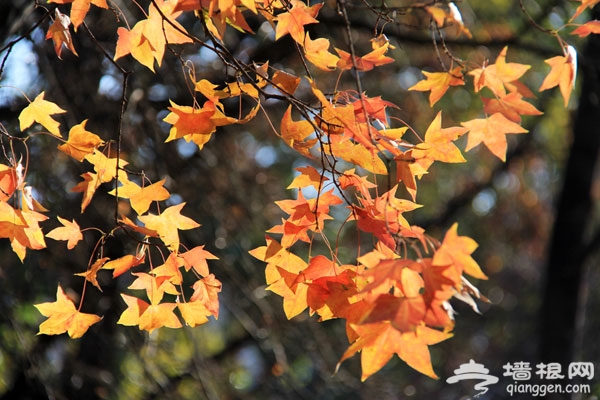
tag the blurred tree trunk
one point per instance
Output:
(569, 247)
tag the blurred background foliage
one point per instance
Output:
(253, 351)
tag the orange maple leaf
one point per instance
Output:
(147, 40)
(64, 317)
(584, 4)
(148, 316)
(40, 111)
(511, 105)
(60, 34)
(124, 264)
(167, 223)
(88, 187)
(373, 59)
(309, 176)
(81, 142)
(191, 123)
(317, 52)
(590, 27)
(194, 313)
(105, 167)
(562, 74)
(378, 342)
(155, 286)
(456, 250)
(70, 232)
(295, 133)
(196, 258)
(141, 197)
(206, 291)
(438, 144)
(170, 270)
(22, 228)
(293, 21)
(91, 274)
(8, 182)
(492, 132)
(439, 83)
(80, 8)
(499, 76)
(285, 82)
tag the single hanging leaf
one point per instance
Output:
(81, 142)
(438, 144)
(167, 223)
(70, 232)
(80, 8)
(88, 187)
(584, 4)
(439, 83)
(206, 291)
(170, 270)
(60, 34)
(92, 272)
(125, 263)
(499, 76)
(456, 250)
(192, 124)
(492, 132)
(562, 74)
(590, 27)
(8, 182)
(148, 316)
(196, 258)
(40, 111)
(64, 317)
(141, 197)
(317, 52)
(511, 105)
(295, 133)
(293, 21)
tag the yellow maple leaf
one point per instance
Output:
(64, 317)
(40, 111)
(70, 232)
(81, 142)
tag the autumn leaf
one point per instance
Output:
(196, 258)
(60, 34)
(456, 250)
(492, 132)
(105, 167)
(295, 133)
(317, 52)
(64, 317)
(81, 142)
(499, 76)
(562, 74)
(124, 264)
(309, 176)
(439, 83)
(167, 223)
(584, 4)
(40, 111)
(590, 27)
(294, 20)
(91, 274)
(155, 286)
(8, 182)
(70, 232)
(147, 40)
(22, 228)
(88, 187)
(194, 313)
(378, 342)
(438, 144)
(511, 105)
(80, 8)
(193, 124)
(148, 316)
(141, 197)
(170, 270)
(285, 82)
(373, 59)
(206, 291)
